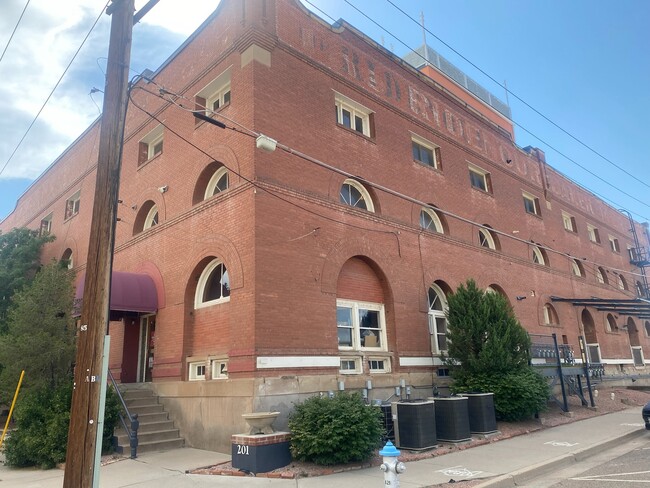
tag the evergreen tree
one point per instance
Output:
(20, 251)
(40, 335)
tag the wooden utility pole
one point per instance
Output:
(82, 435)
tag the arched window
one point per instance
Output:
(538, 256)
(151, 219)
(66, 259)
(429, 220)
(355, 195)
(218, 183)
(213, 286)
(647, 328)
(640, 290)
(550, 315)
(622, 283)
(576, 268)
(601, 276)
(437, 319)
(610, 323)
(486, 239)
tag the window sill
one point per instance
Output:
(67, 219)
(199, 306)
(483, 192)
(531, 214)
(357, 133)
(434, 168)
(145, 163)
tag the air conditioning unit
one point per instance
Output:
(414, 424)
(452, 419)
(482, 416)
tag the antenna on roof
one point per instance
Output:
(424, 39)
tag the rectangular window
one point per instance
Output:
(353, 115)
(219, 369)
(379, 365)
(531, 204)
(569, 222)
(425, 152)
(151, 145)
(613, 244)
(214, 96)
(594, 236)
(197, 371)
(46, 226)
(480, 179)
(72, 205)
(350, 366)
(438, 331)
(360, 325)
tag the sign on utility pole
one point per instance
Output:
(82, 435)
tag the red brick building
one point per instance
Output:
(251, 279)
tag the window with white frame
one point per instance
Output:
(46, 226)
(576, 268)
(350, 365)
(538, 256)
(72, 205)
(219, 369)
(614, 245)
(355, 195)
(151, 219)
(531, 204)
(213, 286)
(569, 222)
(594, 235)
(480, 179)
(425, 152)
(151, 145)
(429, 220)
(218, 182)
(197, 371)
(550, 315)
(437, 319)
(360, 325)
(601, 275)
(67, 259)
(486, 239)
(353, 115)
(378, 365)
(214, 96)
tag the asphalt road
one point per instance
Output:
(625, 466)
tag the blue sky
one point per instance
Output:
(583, 64)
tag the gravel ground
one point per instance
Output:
(607, 400)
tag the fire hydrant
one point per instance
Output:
(391, 467)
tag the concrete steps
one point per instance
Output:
(156, 431)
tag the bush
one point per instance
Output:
(42, 417)
(335, 430)
(517, 395)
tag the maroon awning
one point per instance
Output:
(130, 292)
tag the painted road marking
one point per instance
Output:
(633, 425)
(608, 477)
(561, 444)
(459, 471)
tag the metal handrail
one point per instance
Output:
(132, 431)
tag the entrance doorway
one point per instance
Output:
(146, 348)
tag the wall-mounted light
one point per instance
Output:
(163, 189)
(521, 297)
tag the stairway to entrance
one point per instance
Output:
(157, 432)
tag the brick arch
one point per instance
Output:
(356, 247)
(152, 194)
(220, 247)
(337, 180)
(220, 154)
(70, 243)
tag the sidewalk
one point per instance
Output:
(504, 462)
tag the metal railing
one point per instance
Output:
(133, 424)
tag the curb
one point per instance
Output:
(519, 477)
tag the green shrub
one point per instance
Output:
(335, 430)
(517, 395)
(42, 418)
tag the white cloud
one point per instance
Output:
(180, 17)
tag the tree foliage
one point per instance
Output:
(489, 353)
(20, 250)
(40, 336)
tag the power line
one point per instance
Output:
(514, 122)
(251, 133)
(14, 31)
(53, 90)
(516, 96)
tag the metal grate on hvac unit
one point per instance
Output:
(387, 420)
(415, 424)
(452, 419)
(482, 416)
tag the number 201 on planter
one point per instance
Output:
(242, 450)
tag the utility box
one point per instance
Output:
(452, 419)
(414, 424)
(261, 453)
(482, 416)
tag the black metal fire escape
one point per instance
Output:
(639, 256)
